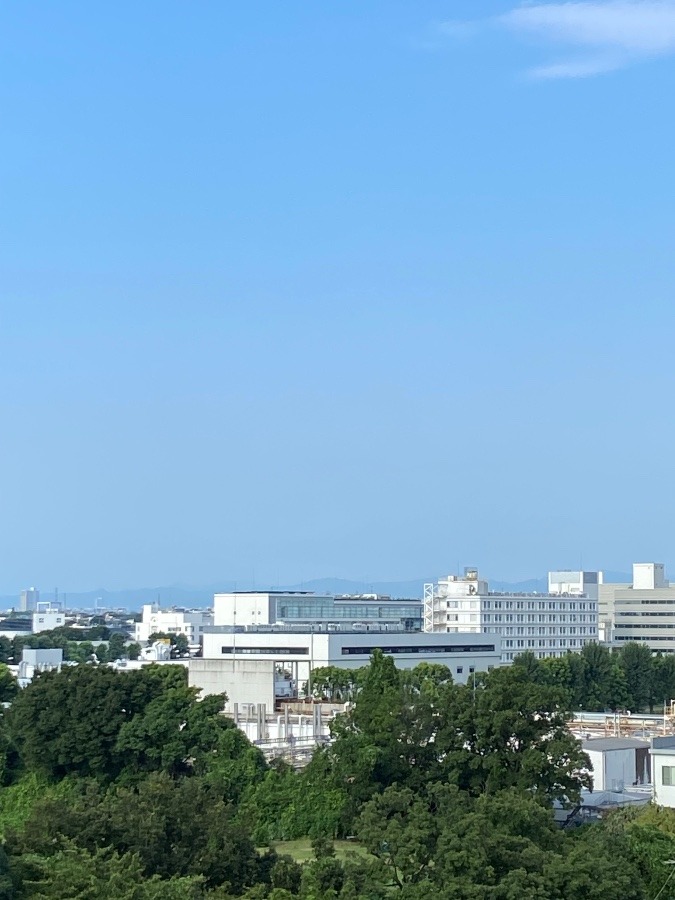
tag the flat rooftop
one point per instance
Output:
(614, 743)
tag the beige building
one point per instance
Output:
(643, 611)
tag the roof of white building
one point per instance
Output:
(614, 743)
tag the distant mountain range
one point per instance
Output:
(180, 595)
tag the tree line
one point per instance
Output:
(126, 785)
(597, 679)
(77, 645)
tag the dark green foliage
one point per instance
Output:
(5, 649)
(90, 721)
(75, 874)
(126, 786)
(8, 685)
(598, 679)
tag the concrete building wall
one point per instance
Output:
(575, 583)
(48, 620)
(245, 608)
(244, 681)
(299, 652)
(613, 769)
(649, 576)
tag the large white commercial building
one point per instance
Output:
(250, 608)
(263, 645)
(643, 611)
(300, 649)
(190, 622)
(549, 624)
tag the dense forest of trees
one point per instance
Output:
(125, 785)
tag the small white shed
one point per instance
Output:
(618, 762)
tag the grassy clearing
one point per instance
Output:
(301, 851)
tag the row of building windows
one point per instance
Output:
(268, 651)
(509, 617)
(540, 654)
(531, 643)
(361, 651)
(645, 637)
(452, 648)
(643, 614)
(356, 611)
(634, 602)
(531, 630)
(552, 605)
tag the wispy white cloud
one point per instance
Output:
(610, 33)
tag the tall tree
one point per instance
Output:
(638, 666)
(511, 733)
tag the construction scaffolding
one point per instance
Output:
(624, 724)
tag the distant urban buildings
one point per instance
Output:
(29, 599)
(547, 625)
(190, 622)
(264, 646)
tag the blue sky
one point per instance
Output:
(362, 289)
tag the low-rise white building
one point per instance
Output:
(36, 661)
(618, 762)
(47, 618)
(190, 622)
(549, 624)
(299, 649)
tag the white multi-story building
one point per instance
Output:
(549, 624)
(190, 622)
(643, 611)
(48, 617)
(29, 599)
(300, 649)
(250, 608)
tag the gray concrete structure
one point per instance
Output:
(245, 681)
